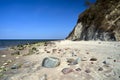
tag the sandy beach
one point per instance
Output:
(62, 60)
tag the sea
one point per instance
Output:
(5, 43)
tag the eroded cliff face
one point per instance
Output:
(100, 22)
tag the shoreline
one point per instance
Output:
(91, 56)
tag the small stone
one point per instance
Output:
(54, 50)
(48, 51)
(114, 60)
(92, 63)
(17, 57)
(87, 71)
(109, 58)
(104, 62)
(84, 59)
(16, 66)
(51, 62)
(3, 56)
(67, 70)
(78, 69)
(5, 64)
(9, 61)
(2, 67)
(87, 53)
(70, 60)
(119, 76)
(44, 77)
(100, 69)
(93, 59)
(74, 62)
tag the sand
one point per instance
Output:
(98, 60)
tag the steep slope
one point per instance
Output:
(100, 22)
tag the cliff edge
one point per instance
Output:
(99, 22)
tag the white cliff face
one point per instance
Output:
(99, 22)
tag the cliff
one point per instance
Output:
(99, 22)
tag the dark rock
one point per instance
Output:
(16, 53)
(87, 71)
(93, 59)
(51, 62)
(78, 69)
(73, 61)
(16, 66)
(101, 21)
(104, 62)
(100, 69)
(67, 70)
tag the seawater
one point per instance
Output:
(14, 42)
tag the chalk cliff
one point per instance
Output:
(100, 21)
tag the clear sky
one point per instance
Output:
(38, 19)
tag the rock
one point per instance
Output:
(78, 69)
(5, 64)
(93, 59)
(101, 21)
(3, 56)
(87, 71)
(84, 59)
(54, 50)
(70, 60)
(73, 54)
(51, 62)
(73, 62)
(67, 70)
(16, 66)
(16, 53)
(44, 77)
(100, 69)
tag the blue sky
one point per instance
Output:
(38, 19)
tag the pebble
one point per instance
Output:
(84, 59)
(78, 69)
(93, 59)
(5, 64)
(3, 56)
(87, 71)
(100, 69)
(51, 62)
(16, 66)
(67, 70)
(73, 62)
(2, 67)
(44, 77)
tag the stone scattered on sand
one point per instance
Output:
(87, 71)
(16, 53)
(72, 61)
(51, 62)
(16, 66)
(54, 50)
(3, 56)
(5, 64)
(44, 77)
(78, 69)
(73, 54)
(84, 59)
(93, 59)
(67, 70)
(100, 69)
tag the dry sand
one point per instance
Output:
(105, 63)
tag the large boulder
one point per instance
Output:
(51, 62)
(101, 21)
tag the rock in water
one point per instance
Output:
(51, 62)
(99, 22)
